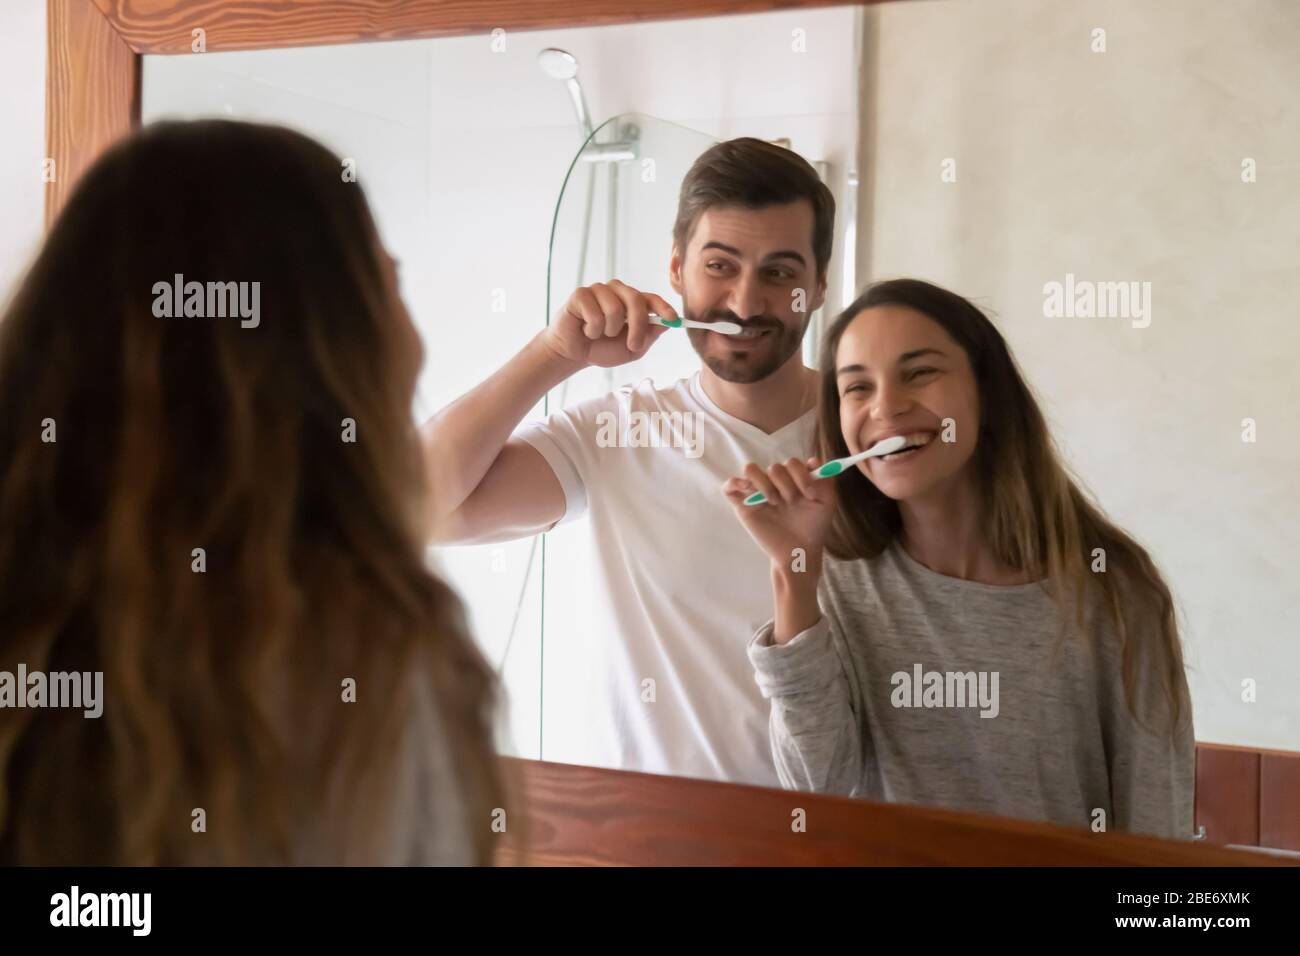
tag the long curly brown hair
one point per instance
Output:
(222, 688)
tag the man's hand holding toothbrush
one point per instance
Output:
(488, 485)
(607, 324)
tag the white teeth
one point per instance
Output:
(913, 441)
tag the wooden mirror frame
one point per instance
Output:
(93, 98)
(94, 47)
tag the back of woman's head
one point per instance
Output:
(211, 490)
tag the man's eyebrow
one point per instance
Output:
(905, 357)
(713, 244)
(733, 251)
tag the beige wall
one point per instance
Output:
(1127, 165)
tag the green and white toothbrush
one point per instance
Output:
(726, 328)
(838, 465)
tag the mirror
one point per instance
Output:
(1113, 182)
(485, 261)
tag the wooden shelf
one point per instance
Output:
(589, 816)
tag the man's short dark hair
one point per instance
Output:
(752, 174)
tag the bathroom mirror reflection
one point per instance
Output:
(1114, 183)
(502, 177)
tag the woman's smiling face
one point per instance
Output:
(898, 372)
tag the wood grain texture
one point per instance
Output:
(164, 26)
(1279, 800)
(588, 816)
(1227, 794)
(92, 93)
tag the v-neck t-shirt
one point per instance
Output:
(676, 583)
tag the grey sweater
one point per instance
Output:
(915, 687)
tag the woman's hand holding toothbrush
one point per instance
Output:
(797, 512)
(606, 324)
(790, 527)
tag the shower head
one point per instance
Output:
(558, 64)
(563, 65)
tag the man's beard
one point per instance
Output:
(749, 365)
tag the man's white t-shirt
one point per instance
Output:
(678, 579)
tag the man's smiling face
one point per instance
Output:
(754, 267)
